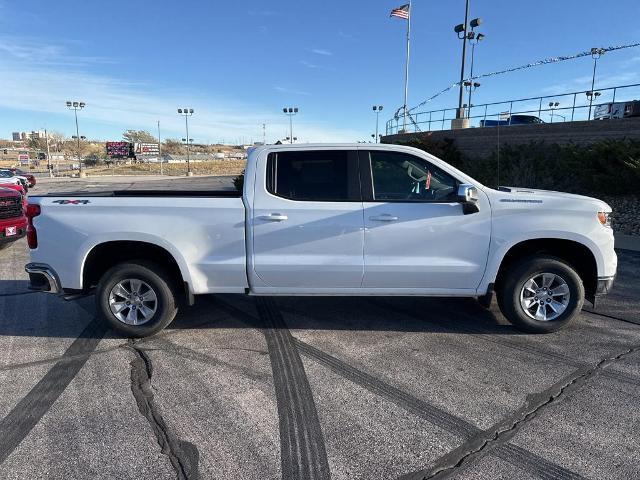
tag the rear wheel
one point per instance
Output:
(136, 299)
(541, 294)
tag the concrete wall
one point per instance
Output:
(480, 142)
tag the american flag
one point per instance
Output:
(401, 12)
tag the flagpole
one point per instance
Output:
(406, 72)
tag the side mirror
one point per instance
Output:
(468, 197)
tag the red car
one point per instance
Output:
(13, 221)
(18, 188)
(30, 178)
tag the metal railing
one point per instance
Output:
(574, 106)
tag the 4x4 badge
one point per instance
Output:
(72, 202)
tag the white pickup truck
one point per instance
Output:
(327, 219)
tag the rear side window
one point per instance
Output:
(321, 175)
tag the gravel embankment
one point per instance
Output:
(626, 213)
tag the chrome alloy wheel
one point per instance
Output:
(133, 301)
(545, 296)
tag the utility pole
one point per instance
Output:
(49, 166)
(159, 148)
(264, 134)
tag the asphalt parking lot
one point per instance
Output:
(317, 388)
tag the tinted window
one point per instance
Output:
(403, 177)
(314, 175)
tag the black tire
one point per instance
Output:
(157, 279)
(511, 285)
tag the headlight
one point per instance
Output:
(605, 219)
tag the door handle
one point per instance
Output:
(274, 217)
(384, 218)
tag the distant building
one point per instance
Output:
(24, 136)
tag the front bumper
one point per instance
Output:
(20, 233)
(43, 278)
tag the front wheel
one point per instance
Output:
(136, 299)
(540, 294)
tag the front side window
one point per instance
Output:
(322, 175)
(401, 177)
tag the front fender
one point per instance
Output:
(500, 246)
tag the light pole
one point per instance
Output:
(187, 112)
(596, 53)
(160, 148)
(590, 95)
(471, 87)
(377, 109)
(75, 106)
(474, 39)
(462, 28)
(553, 106)
(49, 166)
(291, 111)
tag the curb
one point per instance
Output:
(627, 242)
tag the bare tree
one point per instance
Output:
(172, 146)
(138, 136)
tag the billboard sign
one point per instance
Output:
(119, 149)
(24, 158)
(147, 149)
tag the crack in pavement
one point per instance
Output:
(507, 428)
(184, 456)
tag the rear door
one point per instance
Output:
(416, 233)
(307, 223)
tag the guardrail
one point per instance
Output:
(565, 107)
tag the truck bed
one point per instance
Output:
(147, 193)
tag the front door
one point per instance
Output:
(307, 220)
(416, 233)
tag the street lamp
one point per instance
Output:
(377, 109)
(471, 87)
(291, 111)
(187, 112)
(75, 106)
(596, 53)
(591, 95)
(553, 106)
(461, 31)
(474, 39)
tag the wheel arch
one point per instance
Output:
(575, 253)
(104, 255)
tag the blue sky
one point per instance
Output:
(238, 63)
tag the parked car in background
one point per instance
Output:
(611, 110)
(31, 179)
(18, 188)
(13, 221)
(512, 120)
(328, 219)
(6, 176)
